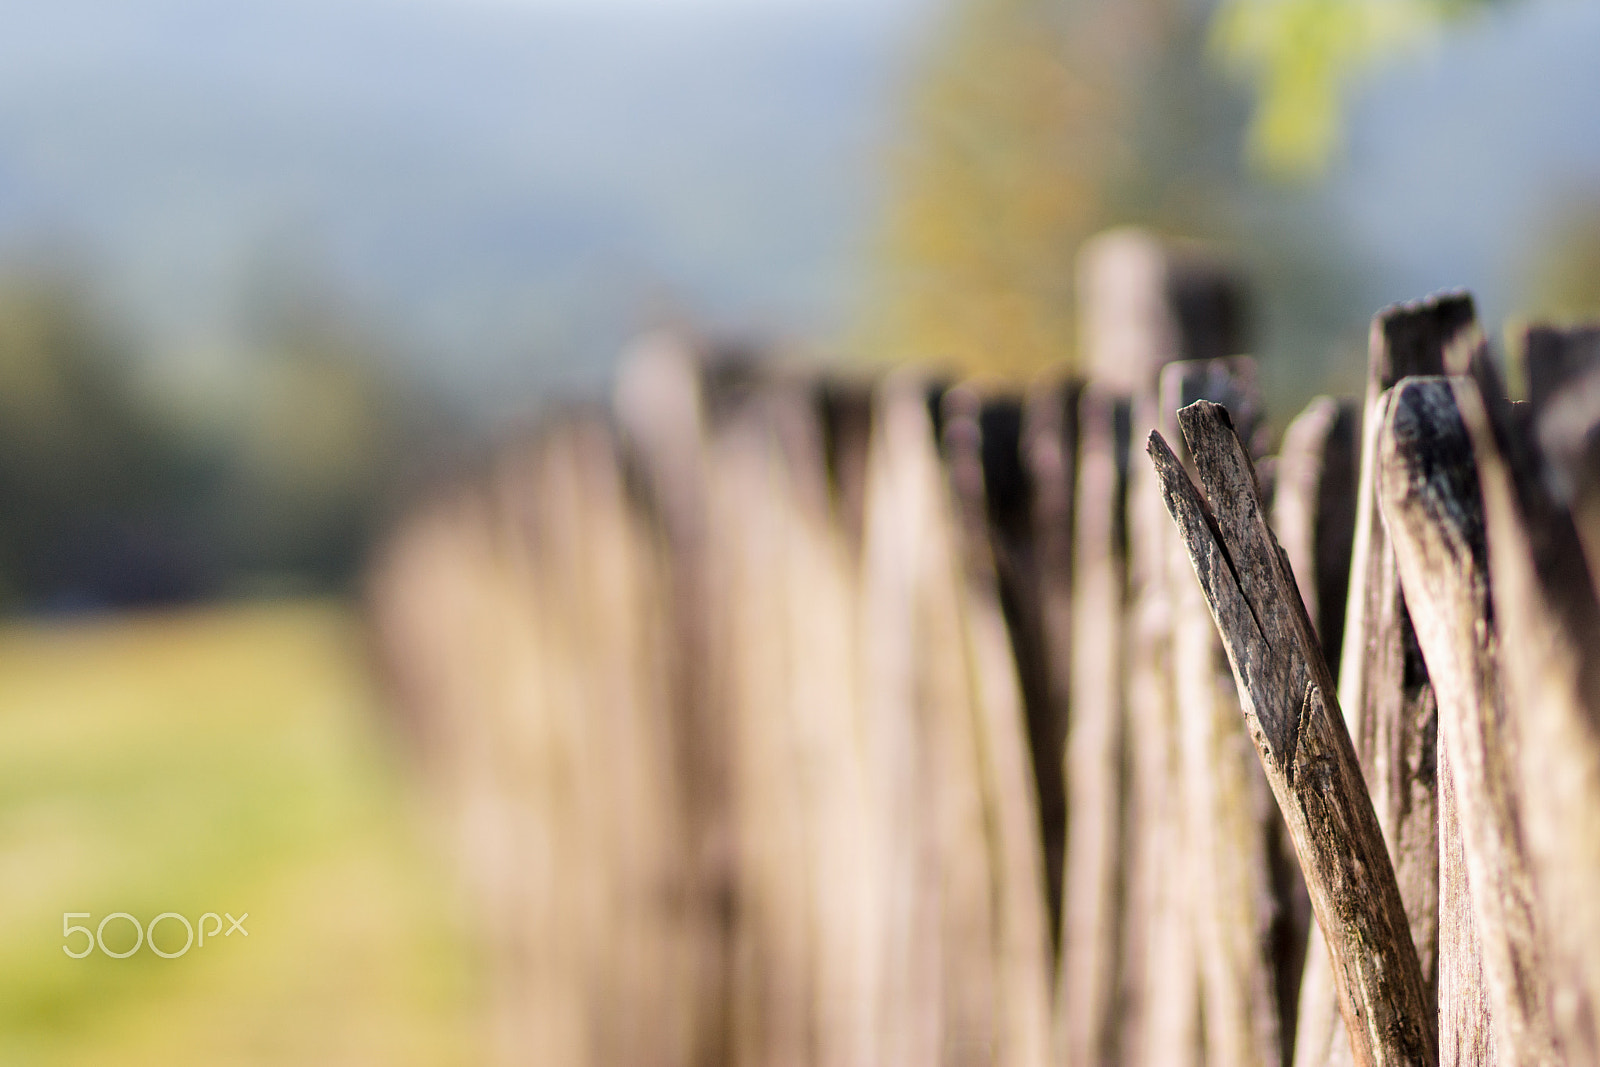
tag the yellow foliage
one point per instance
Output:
(995, 187)
(1300, 54)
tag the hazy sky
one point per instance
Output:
(508, 185)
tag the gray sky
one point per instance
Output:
(509, 185)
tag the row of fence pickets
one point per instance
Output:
(781, 720)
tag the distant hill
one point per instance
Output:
(503, 187)
(507, 187)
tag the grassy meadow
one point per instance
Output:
(217, 760)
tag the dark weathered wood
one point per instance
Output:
(1465, 1031)
(1314, 517)
(1000, 504)
(1015, 845)
(1050, 454)
(845, 414)
(1549, 623)
(1428, 487)
(1223, 789)
(1383, 682)
(1555, 357)
(1092, 908)
(1293, 718)
(1563, 366)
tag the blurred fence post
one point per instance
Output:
(781, 720)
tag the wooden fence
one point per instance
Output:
(789, 721)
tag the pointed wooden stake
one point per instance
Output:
(1293, 718)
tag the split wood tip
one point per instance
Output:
(1184, 502)
(1239, 567)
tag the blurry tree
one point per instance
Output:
(1300, 55)
(328, 432)
(90, 486)
(998, 181)
(109, 496)
(1036, 123)
(1564, 274)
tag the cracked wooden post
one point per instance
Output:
(1293, 717)
(1428, 486)
(1227, 816)
(1314, 518)
(1383, 681)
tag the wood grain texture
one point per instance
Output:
(1314, 518)
(1466, 1035)
(1428, 487)
(1226, 815)
(1301, 740)
(1383, 681)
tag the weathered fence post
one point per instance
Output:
(1227, 815)
(1302, 742)
(1428, 486)
(1383, 681)
(1549, 624)
(1129, 986)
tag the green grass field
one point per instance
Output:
(209, 761)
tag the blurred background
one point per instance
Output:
(266, 266)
